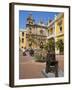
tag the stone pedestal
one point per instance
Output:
(50, 74)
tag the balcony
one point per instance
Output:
(51, 35)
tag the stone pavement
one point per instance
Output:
(29, 69)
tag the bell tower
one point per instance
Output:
(30, 20)
(30, 23)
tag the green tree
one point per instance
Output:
(46, 46)
(50, 45)
(60, 46)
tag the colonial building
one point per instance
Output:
(56, 29)
(36, 34)
(22, 38)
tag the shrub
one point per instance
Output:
(39, 58)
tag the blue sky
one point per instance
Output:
(37, 15)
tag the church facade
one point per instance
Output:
(35, 35)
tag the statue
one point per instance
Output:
(51, 63)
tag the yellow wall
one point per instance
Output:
(58, 21)
(60, 37)
(57, 25)
(24, 37)
(58, 34)
(50, 31)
